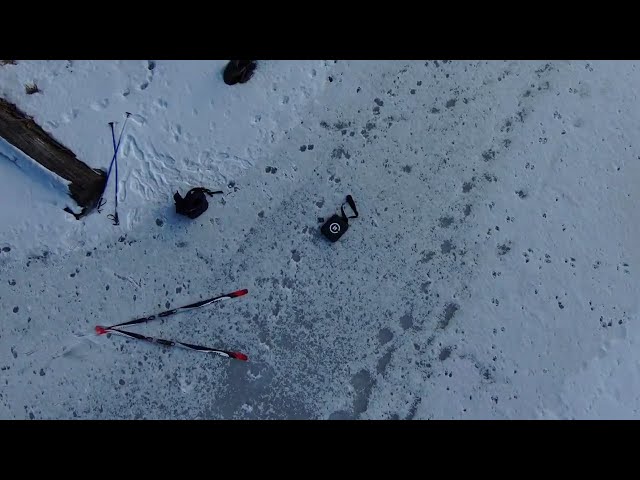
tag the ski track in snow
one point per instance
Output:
(490, 274)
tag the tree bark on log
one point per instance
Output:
(20, 130)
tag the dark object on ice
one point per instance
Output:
(337, 225)
(238, 71)
(78, 216)
(194, 202)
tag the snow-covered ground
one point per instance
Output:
(491, 273)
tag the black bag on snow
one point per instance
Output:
(194, 202)
(337, 225)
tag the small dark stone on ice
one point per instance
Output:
(310, 147)
(121, 382)
(159, 222)
(238, 71)
(15, 309)
(303, 148)
(6, 249)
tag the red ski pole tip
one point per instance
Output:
(100, 330)
(240, 356)
(239, 293)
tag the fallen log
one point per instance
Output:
(86, 184)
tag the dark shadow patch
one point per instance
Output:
(445, 222)
(503, 249)
(427, 257)
(381, 367)
(450, 310)
(444, 354)
(413, 409)
(339, 153)
(385, 335)
(341, 415)
(466, 187)
(488, 155)
(406, 321)
(362, 383)
(446, 247)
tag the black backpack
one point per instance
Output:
(194, 202)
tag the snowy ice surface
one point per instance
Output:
(491, 273)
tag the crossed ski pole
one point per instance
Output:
(100, 330)
(114, 161)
